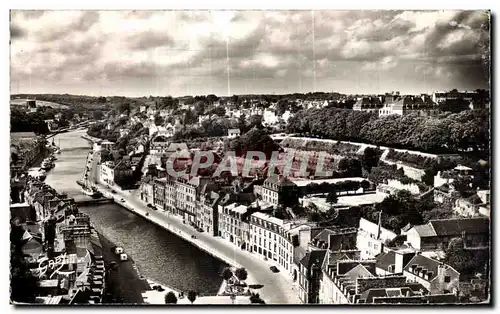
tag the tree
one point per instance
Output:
(370, 158)
(106, 156)
(332, 198)
(255, 299)
(97, 115)
(170, 298)
(255, 121)
(227, 274)
(124, 107)
(365, 185)
(241, 274)
(462, 185)
(191, 296)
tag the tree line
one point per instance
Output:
(448, 132)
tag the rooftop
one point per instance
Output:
(268, 218)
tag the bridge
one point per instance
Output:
(74, 127)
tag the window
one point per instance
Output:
(447, 279)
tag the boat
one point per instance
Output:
(47, 164)
(37, 173)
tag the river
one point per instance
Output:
(158, 254)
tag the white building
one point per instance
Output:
(371, 238)
(232, 133)
(232, 225)
(107, 173)
(270, 239)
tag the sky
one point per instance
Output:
(159, 53)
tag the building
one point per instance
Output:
(146, 189)
(372, 237)
(272, 239)
(279, 190)
(186, 198)
(393, 261)
(368, 104)
(437, 234)
(232, 133)
(234, 225)
(435, 276)
(122, 171)
(310, 276)
(25, 149)
(208, 220)
(447, 177)
(159, 193)
(442, 96)
(107, 175)
(159, 144)
(404, 105)
(107, 145)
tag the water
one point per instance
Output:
(158, 254)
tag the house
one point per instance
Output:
(273, 239)
(393, 261)
(279, 190)
(435, 276)
(208, 220)
(159, 193)
(146, 190)
(107, 145)
(234, 225)
(437, 234)
(334, 239)
(372, 237)
(404, 105)
(232, 133)
(159, 144)
(310, 276)
(447, 177)
(107, 175)
(368, 104)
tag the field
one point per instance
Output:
(20, 102)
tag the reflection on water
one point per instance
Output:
(158, 254)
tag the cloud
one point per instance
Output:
(148, 40)
(16, 31)
(283, 48)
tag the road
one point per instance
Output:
(278, 288)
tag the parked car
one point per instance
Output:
(122, 200)
(113, 191)
(150, 206)
(193, 236)
(274, 269)
(147, 214)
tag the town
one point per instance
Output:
(250, 157)
(381, 223)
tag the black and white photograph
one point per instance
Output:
(250, 157)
